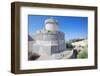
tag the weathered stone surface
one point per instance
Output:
(36, 48)
(48, 43)
(49, 36)
(30, 46)
(45, 50)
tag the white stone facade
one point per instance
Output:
(49, 43)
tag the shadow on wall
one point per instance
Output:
(33, 56)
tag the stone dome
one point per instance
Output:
(51, 20)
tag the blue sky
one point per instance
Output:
(73, 27)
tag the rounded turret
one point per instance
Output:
(51, 24)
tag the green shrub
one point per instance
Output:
(83, 54)
(49, 31)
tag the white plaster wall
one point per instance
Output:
(51, 27)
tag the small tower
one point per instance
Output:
(51, 24)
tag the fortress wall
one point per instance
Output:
(49, 36)
(30, 46)
(49, 43)
(48, 48)
(56, 42)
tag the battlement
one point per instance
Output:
(49, 36)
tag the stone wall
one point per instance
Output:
(49, 43)
(30, 46)
(49, 36)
